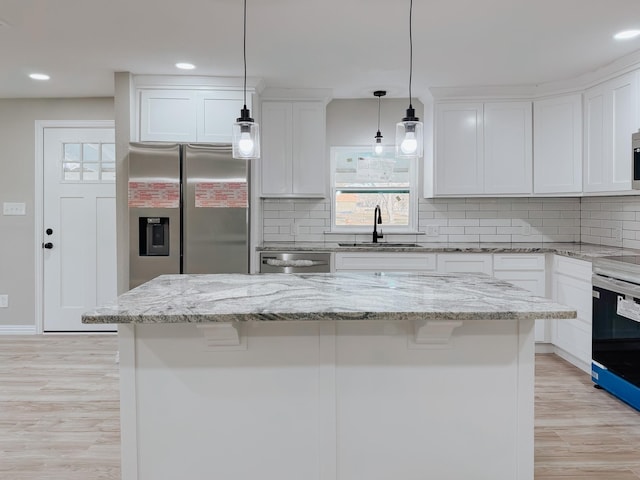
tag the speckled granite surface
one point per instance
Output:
(584, 251)
(339, 296)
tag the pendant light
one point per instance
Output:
(409, 134)
(377, 146)
(246, 133)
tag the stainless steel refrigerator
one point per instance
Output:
(188, 210)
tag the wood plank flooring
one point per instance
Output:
(59, 415)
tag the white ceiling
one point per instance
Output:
(350, 46)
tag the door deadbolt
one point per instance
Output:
(49, 231)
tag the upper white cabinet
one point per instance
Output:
(557, 145)
(459, 156)
(293, 160)
(188, 115)
(483, 148)
(611, 116)
(167, 115)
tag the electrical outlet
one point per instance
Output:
(14, 208)
(526, 229)
(432, 230)
(617, 233)
(4, 301)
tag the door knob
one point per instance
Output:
(49, 231)
(47, 245)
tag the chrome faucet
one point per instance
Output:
(377, 220)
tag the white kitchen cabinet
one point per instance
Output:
(557, 144)
(572, 286)
(508, 148)
(217, 111)
(188, 115)
(459, 158)
(611, 117)
(293, 149)
(483, 148)
(167, 115)
(384, 262)
(465, 263)
(526, 271)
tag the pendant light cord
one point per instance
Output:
(244, 53)
(378, 114)
(410, 51)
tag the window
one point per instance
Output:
(89, 162)
(361, 181)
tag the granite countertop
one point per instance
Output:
(584, 251)
(325, 296)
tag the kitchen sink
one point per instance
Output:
(379, 244)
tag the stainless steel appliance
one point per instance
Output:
(188, 210)
(299, 262)
(635, 164)
(616, 327)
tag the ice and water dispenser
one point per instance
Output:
(154, 236)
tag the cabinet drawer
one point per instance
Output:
(379, 262)
(465, 263)
(572, 267)
(515, 261)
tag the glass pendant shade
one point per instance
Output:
(246, 140)
(409, 138)
(377, 146)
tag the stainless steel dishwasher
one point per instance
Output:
(299, 262)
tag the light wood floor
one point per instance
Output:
(59, 415)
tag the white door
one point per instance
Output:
(79, 227)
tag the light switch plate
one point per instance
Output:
(4, 301)
(14, 208)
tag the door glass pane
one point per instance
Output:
(108, 171)
(108, 152)
(72, 152)
(90, 171)
(90, 152)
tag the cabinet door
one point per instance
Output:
(557, 140)
(508, 147)
(275, 164)
(309, 169)
(217, 112)
(384, 262)
(459, 161)
(611, 116)
(168, 115)
(624, 111)
(465, 263)
(572, 286)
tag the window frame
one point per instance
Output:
(412, 226)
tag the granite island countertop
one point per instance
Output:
(583, 251)
(325, 296)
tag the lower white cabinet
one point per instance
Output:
(526, 271)
(572, 286)
(384, 261)
(465, 263)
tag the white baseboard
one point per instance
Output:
(586, 367)
(17, 330)
(542, 347)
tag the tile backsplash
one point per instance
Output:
(611, 221)
(439, 220)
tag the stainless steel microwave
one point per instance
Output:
(635, 148)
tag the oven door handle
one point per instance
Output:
(616, 286)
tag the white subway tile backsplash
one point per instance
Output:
(588, 219)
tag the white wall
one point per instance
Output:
(613, 221)
(17, 184)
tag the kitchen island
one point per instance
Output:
(327, 376)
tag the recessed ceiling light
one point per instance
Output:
(626, 34)
(39, 76)
(185, 66)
